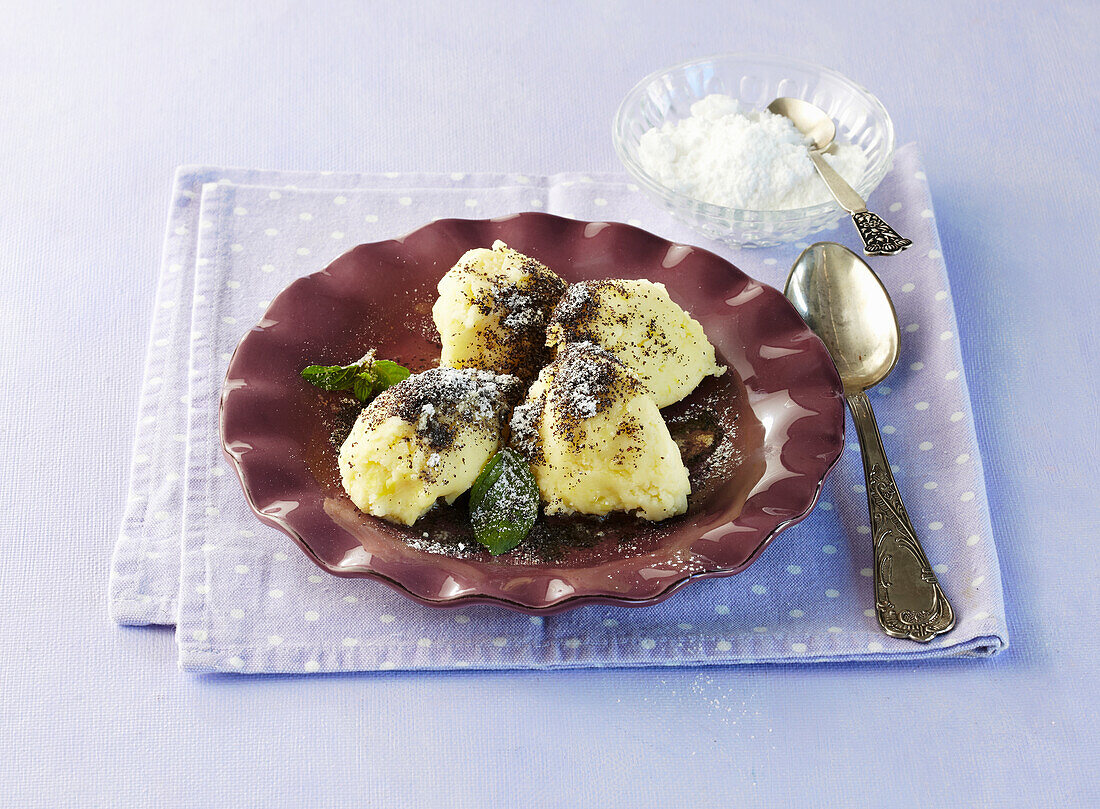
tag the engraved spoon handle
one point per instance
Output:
(909, 601)
(879, 239)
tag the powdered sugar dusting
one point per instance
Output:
(525, 425)
(440, 401)
(573, 301)
(727, 155)
(584, 377)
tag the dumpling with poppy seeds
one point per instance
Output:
(641, 325)
(492, 311)
(425, 439)
(596, 441)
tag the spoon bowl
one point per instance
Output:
(846, 305)
(809, 119)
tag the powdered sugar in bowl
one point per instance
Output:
(751, 82)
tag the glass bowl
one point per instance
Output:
(753, 80)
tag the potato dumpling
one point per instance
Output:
(641, 325)
(424, 439)
(492, 311)
(596, 440)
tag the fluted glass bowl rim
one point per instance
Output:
(865, 187)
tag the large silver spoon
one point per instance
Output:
(846, 305)
(879, 239)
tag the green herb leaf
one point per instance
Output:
(489, 475)
(389, 373)
(504, 502)
(365, 386)
(331, 377)
(365, 378)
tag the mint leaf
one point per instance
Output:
(364, 386)
(389, 373)
(489, 475)
(331, 377)
(504, 502)
(365, 378)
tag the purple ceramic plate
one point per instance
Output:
(775, 421)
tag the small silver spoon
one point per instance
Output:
(846, 305)
(879, 239)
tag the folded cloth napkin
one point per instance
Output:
(245, 599)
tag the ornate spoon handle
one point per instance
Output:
(879, 239)
(909, 602)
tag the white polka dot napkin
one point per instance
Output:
(245, 599)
